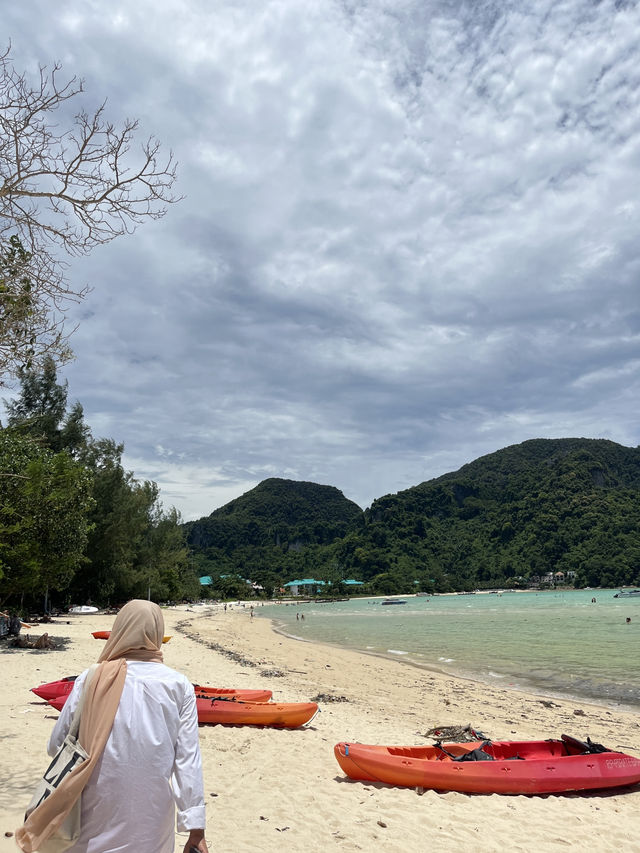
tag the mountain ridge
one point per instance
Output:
(569, 506)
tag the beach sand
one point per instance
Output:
(282, 790)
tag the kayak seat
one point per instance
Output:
(477, 754)
(579, 747)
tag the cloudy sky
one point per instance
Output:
(409, 235)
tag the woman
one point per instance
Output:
(139, 725)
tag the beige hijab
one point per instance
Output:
(137, 634)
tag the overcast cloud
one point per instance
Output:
(409, 235)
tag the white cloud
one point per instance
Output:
(408, 237)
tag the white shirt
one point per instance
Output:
(150, 762)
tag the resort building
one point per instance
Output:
(309, 586)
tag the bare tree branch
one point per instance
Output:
(72, 189)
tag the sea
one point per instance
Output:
(560, 644)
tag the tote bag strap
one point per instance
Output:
(74, 728)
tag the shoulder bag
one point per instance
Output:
(69, 756)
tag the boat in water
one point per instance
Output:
(627, 593)
(393, 601)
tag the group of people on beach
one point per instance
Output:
(139, 726)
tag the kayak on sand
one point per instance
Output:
(231, 712)
(501, 767)
(231, 693)
(62, 688)
(235, 712)
(104, 635)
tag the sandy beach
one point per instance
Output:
(282, 790)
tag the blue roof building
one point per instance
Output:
(299, 587)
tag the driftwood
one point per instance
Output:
(456, 734)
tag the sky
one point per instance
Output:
(408, 237)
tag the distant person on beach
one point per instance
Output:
(139, 725)
(15, 625)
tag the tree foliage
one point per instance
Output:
(72, 519)
(45, 499)
(28, 331)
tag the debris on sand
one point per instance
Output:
(456, 734)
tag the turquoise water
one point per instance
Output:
(556, 643)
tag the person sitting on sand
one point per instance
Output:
(139, 725)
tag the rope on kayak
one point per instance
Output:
(477, 754)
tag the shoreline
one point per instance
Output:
(602, 681)
(462, 676)
(282, 791)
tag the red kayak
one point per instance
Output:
(501, 767)
(55, 688)
(61, 689)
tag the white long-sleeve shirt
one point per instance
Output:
(151, 760)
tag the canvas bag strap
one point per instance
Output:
(74, 728)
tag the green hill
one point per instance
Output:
(272, 532)
(546, 505)
(507, 519)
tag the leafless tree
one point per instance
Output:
(69, 189)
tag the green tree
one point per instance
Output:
(132, 545)
(41, 406)
(164, 558)
(118, 523)
(41, 411)
(45, 499)
(28, 332)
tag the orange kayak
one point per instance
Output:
(61, 689)
(234, 712)
(502, 767)
(230, 693)
(104, 635)
(231, 712)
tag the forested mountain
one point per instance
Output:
(278, 529)
(76, 526)
(546, 505)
